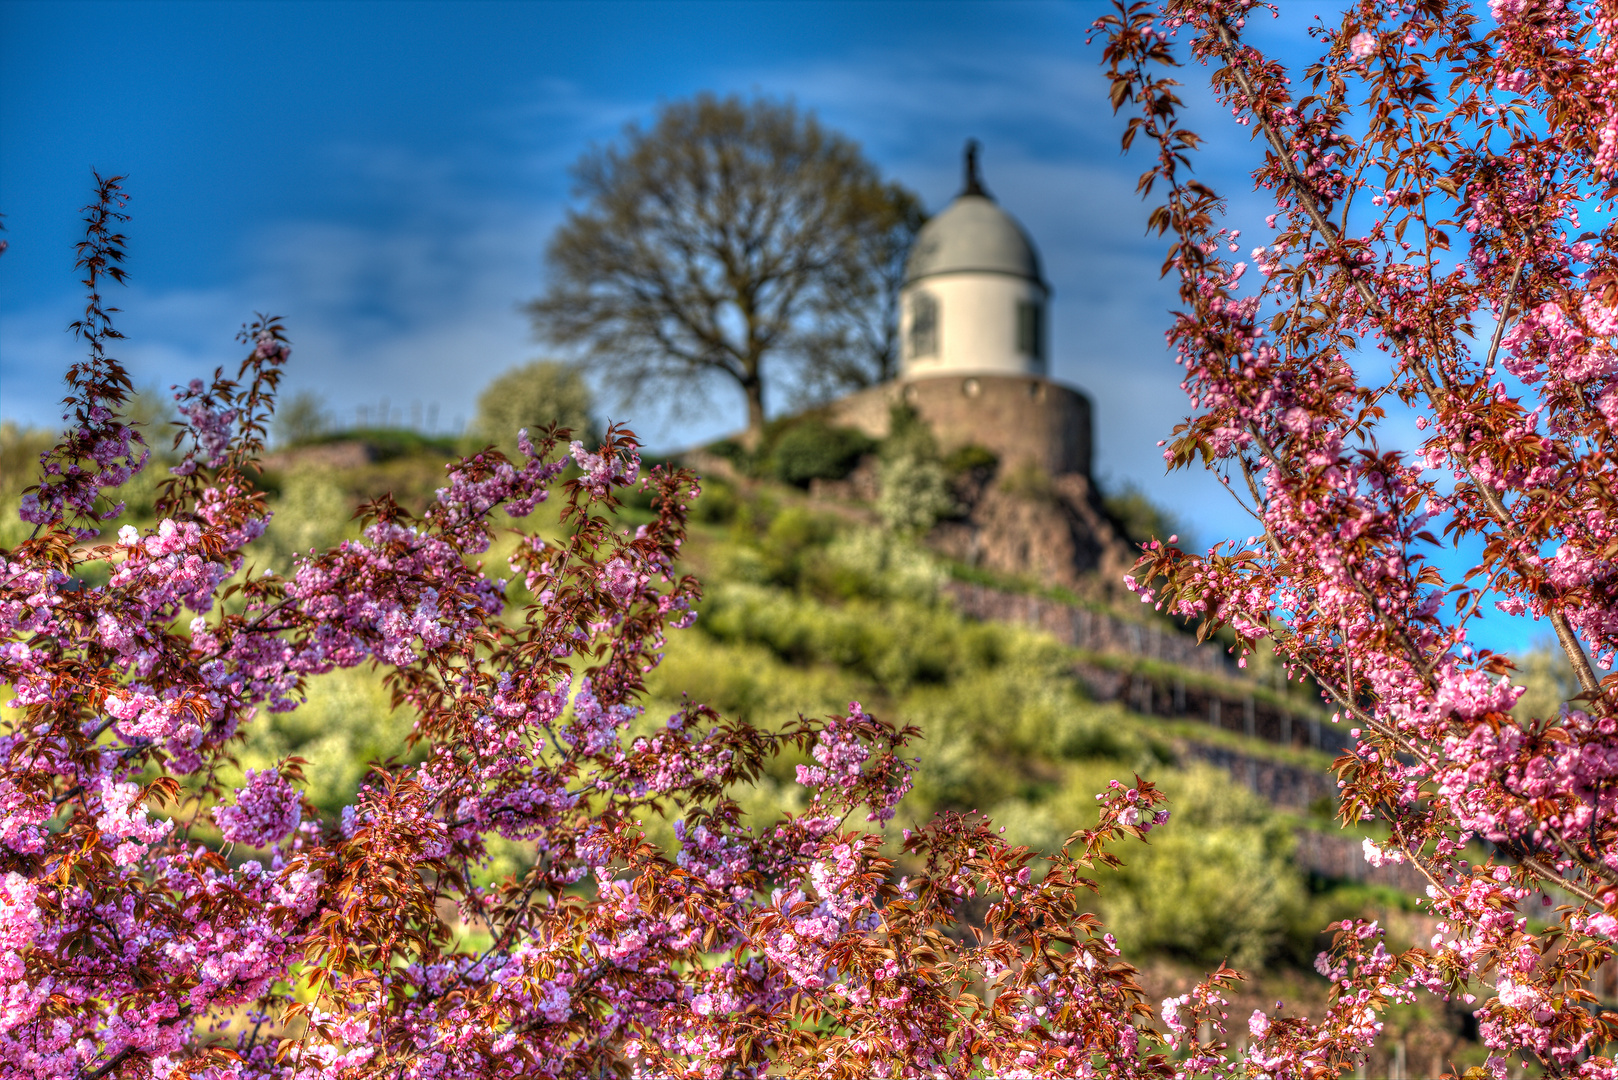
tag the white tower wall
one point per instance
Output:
(984, 323)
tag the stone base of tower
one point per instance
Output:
(1047, 522)
(1023, 419)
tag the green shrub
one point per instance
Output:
(898, 644)
(815, 450)
(914, 487)
(789, 538)
(876, 565)
(914, 494)
(969, 457)
(1215, 883)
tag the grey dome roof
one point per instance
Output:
(973, 233)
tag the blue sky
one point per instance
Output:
(385, 176)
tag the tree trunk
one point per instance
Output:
(754, 388)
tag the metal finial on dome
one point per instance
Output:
(974, 186)
(973, 234)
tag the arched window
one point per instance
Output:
(1031, 329)
(923, 338)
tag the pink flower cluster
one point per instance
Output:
(842, 751)
(99, 456)
(267, 811)
(603, 471)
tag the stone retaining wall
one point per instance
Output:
(1084, 628)
(1343, 858)
(1023, 419)
(1154, 695)
(1292, 787)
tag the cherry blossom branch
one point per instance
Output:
(1564, 631)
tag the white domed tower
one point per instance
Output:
(974, 369)
(974, 300)
(975, 345)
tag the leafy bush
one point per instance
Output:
(914, 487)
(1548, 680)
(815, 450)
(1216, 883)
(914, 494)
(876, 565)
(969, 457)
(789, 538)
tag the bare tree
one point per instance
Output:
(729, 237)
(855, 339)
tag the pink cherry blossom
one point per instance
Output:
(266, 811)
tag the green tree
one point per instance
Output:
(728, 237)
(313, 512)
(813, 449)
(1547, 680)
(302, 418)
(534, 396)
